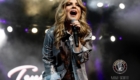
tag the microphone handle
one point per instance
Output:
(75, 34)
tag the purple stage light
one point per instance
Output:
(120, 38)
(99, 69)
(89, 23)
(98, 64)
(84, 3)
(26, 29)
(2, 21)
(106, 5)
(2, 0)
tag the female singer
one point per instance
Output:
(63, 57)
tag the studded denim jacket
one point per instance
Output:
(51, 57)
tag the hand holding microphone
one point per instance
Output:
(75, 29)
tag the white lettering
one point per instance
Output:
(36, 77)
(22, 70)
(114, 77)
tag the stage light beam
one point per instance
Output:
(100, 37)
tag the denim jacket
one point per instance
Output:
(51, 57)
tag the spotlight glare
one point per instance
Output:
(2, 0)
(112, 38)
(9, 29)
(34, 30)
(3, 37)
(93, 37)
(100, 4)
(121, 5)
(2, 34)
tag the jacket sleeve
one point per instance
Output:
(86, 49)
(48, 57)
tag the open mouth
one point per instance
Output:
(73, 12)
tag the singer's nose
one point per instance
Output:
(73, 5)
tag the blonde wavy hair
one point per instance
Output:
(60, 18)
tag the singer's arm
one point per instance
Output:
(48, 58)
(82, 52)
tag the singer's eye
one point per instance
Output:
(68, 3)
(77, 5)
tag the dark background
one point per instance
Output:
(20, 48)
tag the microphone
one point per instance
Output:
(75, 34)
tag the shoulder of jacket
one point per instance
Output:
(51, 31)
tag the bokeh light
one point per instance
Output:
(9, 29)
(122, 6)
(93, 37)
(100, 4)
(112, 38)
(120, 38)
(26, 30)
(34, 30)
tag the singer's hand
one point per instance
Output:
(76, 23)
